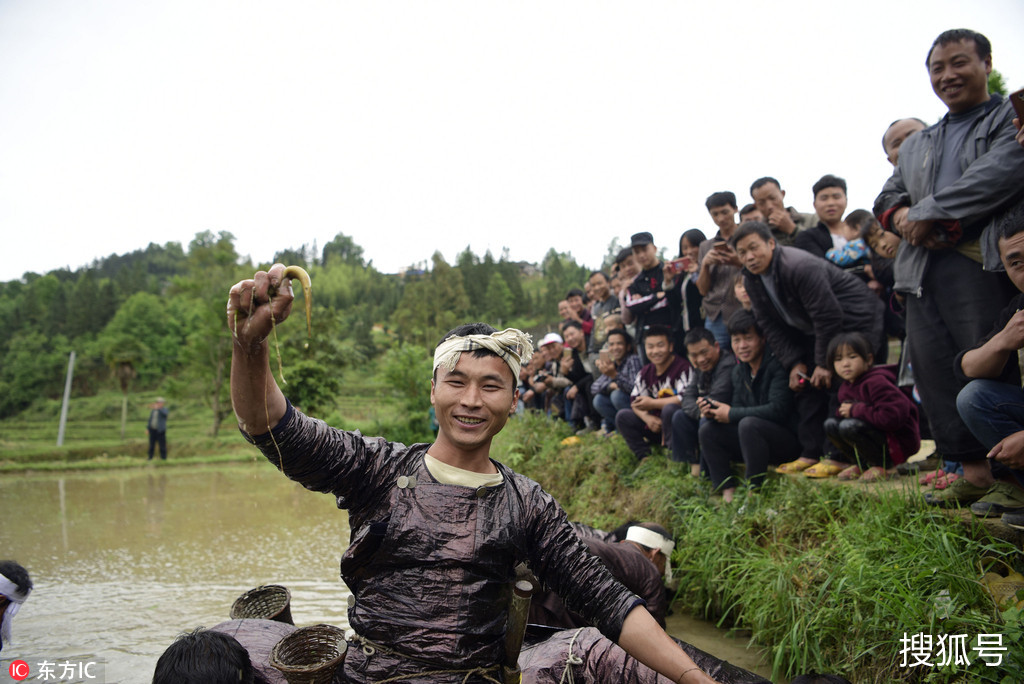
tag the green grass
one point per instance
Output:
(826, 577)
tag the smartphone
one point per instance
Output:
(721, 247)
(606, 357)
(567, 353)
(1017, 99)
(679, 265)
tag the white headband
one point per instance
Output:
(513, 346)
(10, 590)
(650, 539)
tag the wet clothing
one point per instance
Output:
(546, 656)
(627, 564)
(258, 637)
(429, 564)
(879, 402)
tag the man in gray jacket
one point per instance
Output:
(952, 182)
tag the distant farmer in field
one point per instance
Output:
(437, 529)
(15, 585)
(157, 428)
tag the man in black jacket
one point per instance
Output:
(645, 300)
(830, 206)
(802, 302)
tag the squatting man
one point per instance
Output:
(437, 529)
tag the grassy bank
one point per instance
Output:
(826, 577)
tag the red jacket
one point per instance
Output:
(878, 401)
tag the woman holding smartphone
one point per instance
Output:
(680, 287)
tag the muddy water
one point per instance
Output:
(124, 561)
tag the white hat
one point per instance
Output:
(551, 338)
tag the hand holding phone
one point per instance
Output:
(1017, 99)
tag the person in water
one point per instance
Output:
(437, 529)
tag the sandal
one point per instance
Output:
(797, 466)
(877, 474)
(852, 473)
(822, 470)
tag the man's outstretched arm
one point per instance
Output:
(255, 396)
(645, 640)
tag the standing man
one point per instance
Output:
(157, 428)
(437, 529)
(801, 303)
(830, 205)
(719, 268)
(604, 302)
(785, 222)
(952, 181)
(646, 301)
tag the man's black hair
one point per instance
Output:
(575, 292)
(658, 331)
(600, 273)
(829, 181)
(570, 323)
(697, 335)
(206, 657)
(742, 322)
(623, 254)
(751, 228)
(747, 208)
(1012, 222)
(720, 199)
(862, 221)
(763, 181)
(624, 334)
(13, 571)
(855, 341)
(981, 44)
(694, 236)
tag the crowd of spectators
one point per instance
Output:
(767, 341)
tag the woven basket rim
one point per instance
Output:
(299, 635)
(276, 590)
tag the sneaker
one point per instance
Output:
(960, 493)
(1001, 498)
(1014, 519)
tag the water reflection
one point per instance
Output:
(123, 562)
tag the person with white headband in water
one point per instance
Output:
(15, 585)
(437, 529)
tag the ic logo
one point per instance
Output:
(19, 670)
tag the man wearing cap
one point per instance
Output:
(639, 561)
(645, 299)
(157, 428)
(15, 585)
(437, 529)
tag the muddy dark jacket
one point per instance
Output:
(430, 564)
(832, 300)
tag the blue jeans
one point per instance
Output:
(719, 328)
(992, 411)
(609, 405)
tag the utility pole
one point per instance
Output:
(67, 399)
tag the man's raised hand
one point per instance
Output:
(251, 301)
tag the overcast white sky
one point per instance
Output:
(423, 126)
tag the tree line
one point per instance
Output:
(153, 319)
